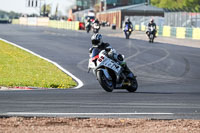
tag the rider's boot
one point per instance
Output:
(127, 71)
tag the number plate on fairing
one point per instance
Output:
(110, 64)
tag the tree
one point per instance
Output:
(46, 10)
(11, 14)
(192, 5)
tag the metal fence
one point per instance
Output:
(179, 25)
(173, 19)
(182, 19)
(144, 20)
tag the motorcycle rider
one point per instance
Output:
(130, 25)
(88, 20)
(96, 21)
(88, 24)
(97, 42)
(151, 24)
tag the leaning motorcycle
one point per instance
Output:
(109, 73)
(128, 30)
(96, 28)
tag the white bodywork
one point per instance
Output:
(96, 26)
(103, 60)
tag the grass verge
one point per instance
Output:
(20, 68)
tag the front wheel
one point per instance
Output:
(104, 82)
(128, 35)
(151, 38)
(134, 85)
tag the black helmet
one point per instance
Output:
(96, 39)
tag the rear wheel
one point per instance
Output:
(104, 82)
(134, 85)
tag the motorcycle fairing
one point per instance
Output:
(107, 62)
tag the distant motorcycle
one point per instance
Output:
(128, 30)
(88, 27)
(109, 73)
(96, 28)
(151, 34)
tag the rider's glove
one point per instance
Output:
(90, 50)
(107, 49)
(120, 57)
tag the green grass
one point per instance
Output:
(20, 68)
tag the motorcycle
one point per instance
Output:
(128, 30)
(109, 73)
(88, 27)
(96, 28)
(151, 33)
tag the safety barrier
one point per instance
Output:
(71, 25)
(173, 31)
(178, 32)
(33, 21)
(196, 33)
(23, 21)
(167, 31)
(15, 21)
(43, 21)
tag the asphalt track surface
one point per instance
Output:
(168, 77)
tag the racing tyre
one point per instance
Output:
(151, 38)
(134, 85)
(127, 36)
(104, 82)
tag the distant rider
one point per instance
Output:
(127, 24)
(88, 24)
(152, 24)
(88, 20)
(97, 42)
(96, 26)
(96, 21)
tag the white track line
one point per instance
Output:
(82, 114)
(80, 83)
(156, 61)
